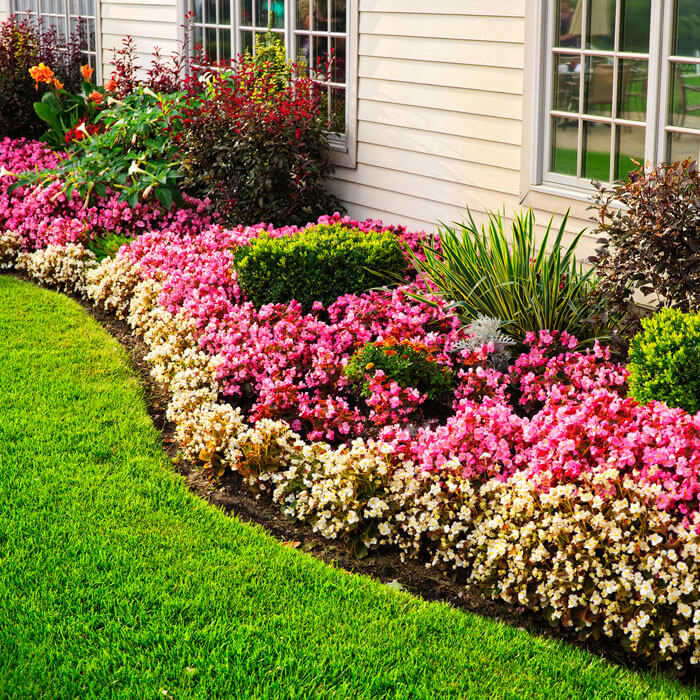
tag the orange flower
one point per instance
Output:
(111, 85)
(96, 97)
(57, 84)
(369, 365)
(390, 353)
(41, 74)
(86, 72)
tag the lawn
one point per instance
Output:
(115, 581)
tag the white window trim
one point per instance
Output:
(343, 148)
(537, 93)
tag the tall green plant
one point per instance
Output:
(530, 286)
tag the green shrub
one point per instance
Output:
(257, 145)
(530, 286)
(665, 360)
(408, 364)
(319, 263)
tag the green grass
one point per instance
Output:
(115, 581)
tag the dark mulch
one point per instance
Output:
(231, 494)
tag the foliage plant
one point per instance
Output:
(319, 263)
(107, 245)
(24, 44)
(408, 363)
(64, 111)
(257, 145)
(184, 69)
(484, 272)
(135, 154)
(649, 242)
(665, 360)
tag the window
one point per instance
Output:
(622, 85)
(314, 32)
(65, 16)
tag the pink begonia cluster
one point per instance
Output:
(43, 215)
(557, 414)
(288, 363)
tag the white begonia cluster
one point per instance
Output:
(10, 247)
(63, 266)
(599, 556)
(111, 285)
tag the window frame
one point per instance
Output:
(657, 121)
(343, 147)
(94, 55)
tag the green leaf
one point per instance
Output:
(165, 197)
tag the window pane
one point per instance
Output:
(210, 11)
(682, 146)
(210, 44)
(198, 16)
(567, 77)
(261, 7)
(247, 42)
(225, 12)
(277, 14)
(198, 40)
(630, 145)
(320, 57)
(336, 120)
(564, 28)
(91, 34)
(685, 95)
(564, 144)
(600, 33)
(687, 39)
(635, 23)
(632, 90)
(320, 16)
(303, 51)
(246, 12)
(303, 17)
(599, 86)
(338, 15)
(596, 151)
(338, 60)
(224, 44)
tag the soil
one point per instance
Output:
(385, 565)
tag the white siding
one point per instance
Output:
(153, 23)
(441, 105)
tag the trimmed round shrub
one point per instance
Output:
(665, 360)
(319, 263)
(409, 364)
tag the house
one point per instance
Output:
(446, 104)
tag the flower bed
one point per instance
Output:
(544, 483)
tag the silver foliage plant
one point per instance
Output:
(483, 330)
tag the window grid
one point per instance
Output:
(65, 16)
(663, 86)
(314, 32)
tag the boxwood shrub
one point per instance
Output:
(665, 360)
(319, 263)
